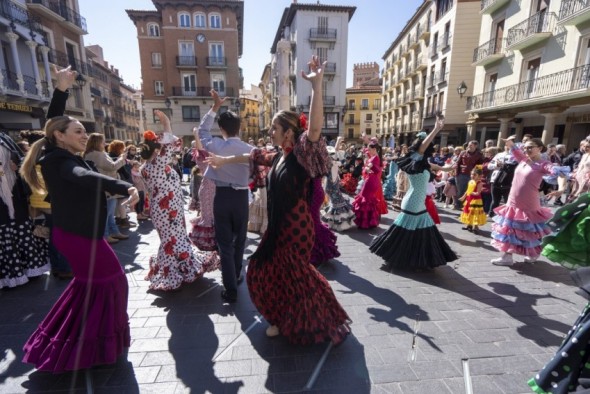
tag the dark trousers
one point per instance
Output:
(461, 180)
(141, 203)
(498, 193)
(230, 209)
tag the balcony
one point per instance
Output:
(424, 32)
(58, 11)
(95, 92)
(442, 77)
(490, 6)
(120, 124)
(420, 63)
(445, 42)
(330, 68)
(98, 113)
(199, 91)
(418, 93)
(216, 62)
(572, 82)
(63, 60)
(352, 122)
(186, 61)
(20, 16)
(537, 28)
(322, 35)
(489, 52)
(116, 92)
(328, 101)
(574, 12)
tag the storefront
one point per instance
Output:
(15, 117)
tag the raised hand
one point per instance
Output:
(65, 77)
(163, 120)
(316, 68)
(217, 101)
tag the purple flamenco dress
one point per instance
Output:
(324, 247)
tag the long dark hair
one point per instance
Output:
(148, 147)
(379, 149)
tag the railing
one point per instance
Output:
(64, 11)
(492, 47)
(14, 13)
(330, 68)
(116, 92)
(442, 77)
(98, 113)
(571, 7)
(328, 100)
(541, 22)
(10, 80)
(120, 124)
(95, 91)
(199, 91)
(216, 61)
(63, 60)
(30, 84)
(316, 33)
(45, 88)
(486, 3)
(574, 79)
(106, 101)
(445, 41)
(186, 61)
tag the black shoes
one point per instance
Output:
(229, 297)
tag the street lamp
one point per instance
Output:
(168, 103)
(80, 80)
(461, 89)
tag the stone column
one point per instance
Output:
(444, 139)
(503, 133)
(471, 129)
(549, 127)
(283, 49)
(45, 53)
(32, 45)
(518, 130)
(482, 139)
(12, 37)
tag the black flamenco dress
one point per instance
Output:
(413, 241)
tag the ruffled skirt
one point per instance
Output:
(324, 247)
(338, 215)
(349, 184)
(473, 213)
(519, 231)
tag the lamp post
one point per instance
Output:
(168, 103)
(80, 80)
(461, 89)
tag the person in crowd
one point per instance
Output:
(202, 233)
(338, 214)
(187, 162)
(141, 187)
(88, 325)
(196, 180)
(473, 214)
(257, 213)
(486, 191)
(95, 153)
(390, 186)
(350, 180)
(520, 224)
(490, 144)
(39, 205)
(467, 160)
(581, 176)
(450, 190)
(502, 166)
(290, 293)
(413, 241)
(230, 206)
(23, 145)
(176, 262)
(116, 150)
(366, 204)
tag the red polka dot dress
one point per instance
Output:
(177, 261)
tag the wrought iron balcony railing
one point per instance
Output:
(213, 61)
(329, 34)
(16, 14)
(571, 7)
(30, 85)
(186, 61)
(567, 81)
(10, 80)
(64, 11)
(541, 22)
(493, 47)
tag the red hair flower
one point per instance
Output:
(303, 121)
(149, 135)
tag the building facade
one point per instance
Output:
(306, 30)
(425, 65)
(532, 67)
(250, 109)
(363, 102)
(34, 35)
(186, 49)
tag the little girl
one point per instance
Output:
(473, 215)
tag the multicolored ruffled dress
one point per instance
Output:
(390, 185)
(338, 215)
(202, 233)
(569, 369)
(473, 213)
(177, 261)
(413, 241)
(287, 290)
(366, 205)
(520, 224)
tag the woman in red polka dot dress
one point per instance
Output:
(294, 298)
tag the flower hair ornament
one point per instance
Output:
(421, 135)
(149, 135)
(303, 121)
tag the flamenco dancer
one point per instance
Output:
(413, 241)
(338, 214)
(473, 214)
(367, 205)
(291, 294)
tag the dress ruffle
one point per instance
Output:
(324, 247)
(473, 213)
(203, 237)
(366, 211)
(349, 183)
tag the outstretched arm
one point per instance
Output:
(316, 110)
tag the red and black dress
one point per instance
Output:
(287, 290)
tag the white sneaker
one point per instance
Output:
(531, 260)
(503, 261)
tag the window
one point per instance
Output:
(191, 113)
(441, 101)
(322, 54)
(189, 85)
(584, 64)
(215, 21)
(153, 30)
(218, 83)
(434, 45)
(369, 118)
(184, 20)
(350, 133)
(364, 103)
(442, 7)
(331, 119)
(368, 131)
(432, 76)
(351, 104)
(447, 36)
(156, 59)
(186, 52)
(159, 88)
(491, 88)
(377, 104)
(351, 119)
(443, 71)
(216, 55)
(322, 24)
(200, 20)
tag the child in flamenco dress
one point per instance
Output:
(473, 214)
(568, 370)
(338, 214)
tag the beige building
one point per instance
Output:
(532, 67)
(266, 104)
(424, 67)
(363, 102)
(250, 105)
(186, 49)
(34, 35)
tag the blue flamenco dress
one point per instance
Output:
(413, 241)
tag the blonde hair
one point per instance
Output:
(59, 124)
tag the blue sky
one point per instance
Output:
(375, 24)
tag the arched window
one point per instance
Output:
(200, 20)
(153, 30)
(214, 21)
(184, 19)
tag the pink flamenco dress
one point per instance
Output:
(177, 261)
(202, 233)
(521, 223)
(366, 205)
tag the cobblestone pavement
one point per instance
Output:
(466, 324)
